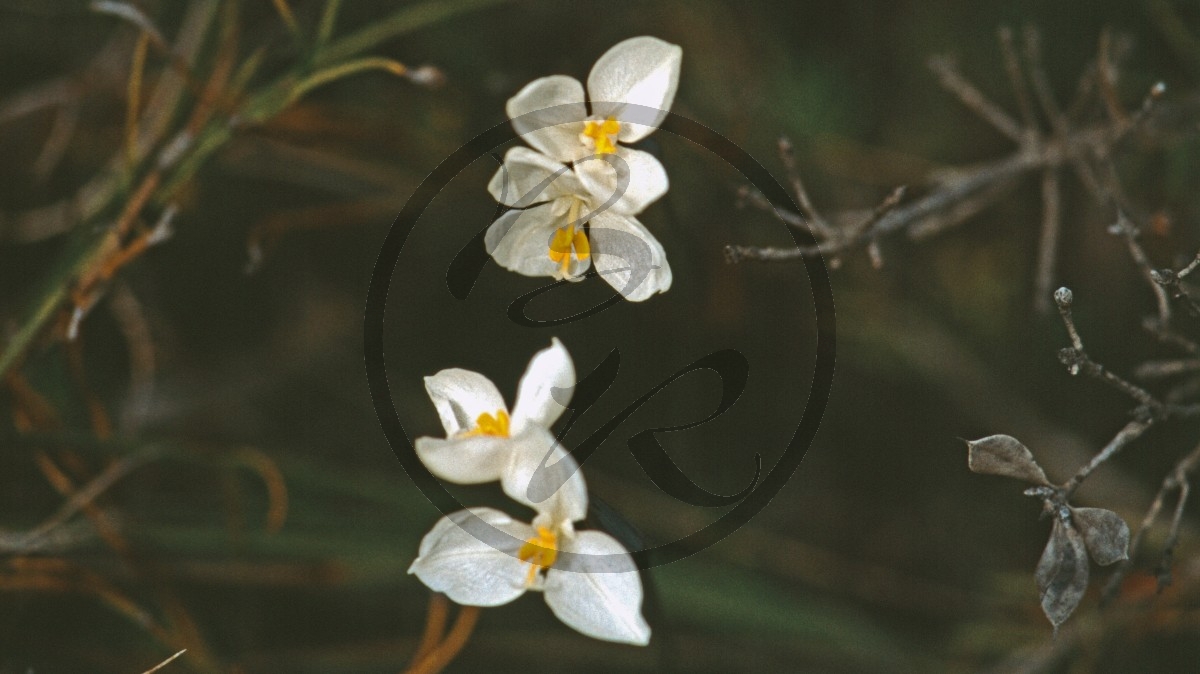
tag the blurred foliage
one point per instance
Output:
(267, 525)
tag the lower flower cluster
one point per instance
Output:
(484, 557)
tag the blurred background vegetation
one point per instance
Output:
(245, 504)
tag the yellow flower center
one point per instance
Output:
(602, 134)
(540, 551)
(567, 240)
(486, 424)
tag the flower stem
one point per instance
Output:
(445, 652)
(435, 625)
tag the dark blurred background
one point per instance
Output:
(882, 554)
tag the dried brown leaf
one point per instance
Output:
(1004, 455)
(1104, 532)
(1062, 572)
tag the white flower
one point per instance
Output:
(631, 86)
(483, 440)
(483, 557)
(549, 239)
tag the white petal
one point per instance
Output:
(624, 182)
(470, 562)
(549, 114)
(460, 396)
(468, 460)
(545, 387)
(642, 71)
(556, 490)
(530, 177)
(520, 241)
(628, 257)
(598, 590)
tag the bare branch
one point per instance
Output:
(1159, 369)
(952, 81)
(1168, 279)
(1168, 336)
(1106, 72)
(1130, 432)
(1041, 82)
(1048, 244)
(1124, 227)
(1012, 67)
(1077, 360)
(1174, 481)
(952, 193)
(1064, 298)
(1049, 104)
(788, 156)
(1164, 565)
(747, 194)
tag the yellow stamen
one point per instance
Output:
(560, 245)
(569, 238)
(583, 249)
(486, 424)
(540, 551)
(603, 134)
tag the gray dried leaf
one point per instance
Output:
(1104, 532)
(1062, 572)
(1004, 455)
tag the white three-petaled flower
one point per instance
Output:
(483, 557)
(484, 442)
(583, 173)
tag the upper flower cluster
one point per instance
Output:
(483, 557)
(580, 187)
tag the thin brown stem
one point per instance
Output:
(82, 499)
(97, 412)
(435, 625)
(288, 16)
(889, 204)
(1078, 361)
(1143, 113)
(1012, 67)
(820, 226)
(1064, 299)
(445, 652)
(1041, 83)
(1130, 432)
(1107, 78)
(133, 98)
(1159, 369)
(1048, 245)
(1164, 565)
(1170, 282)
(1172, 482)
(1168, 336)
(749, 195)
(1125, 228)
(952, 81)
(1191, 267)
(1049, 104)
(66, 120)
(951, 194)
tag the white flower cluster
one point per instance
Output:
(576, 192)
(483, 557)
(574, 195)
